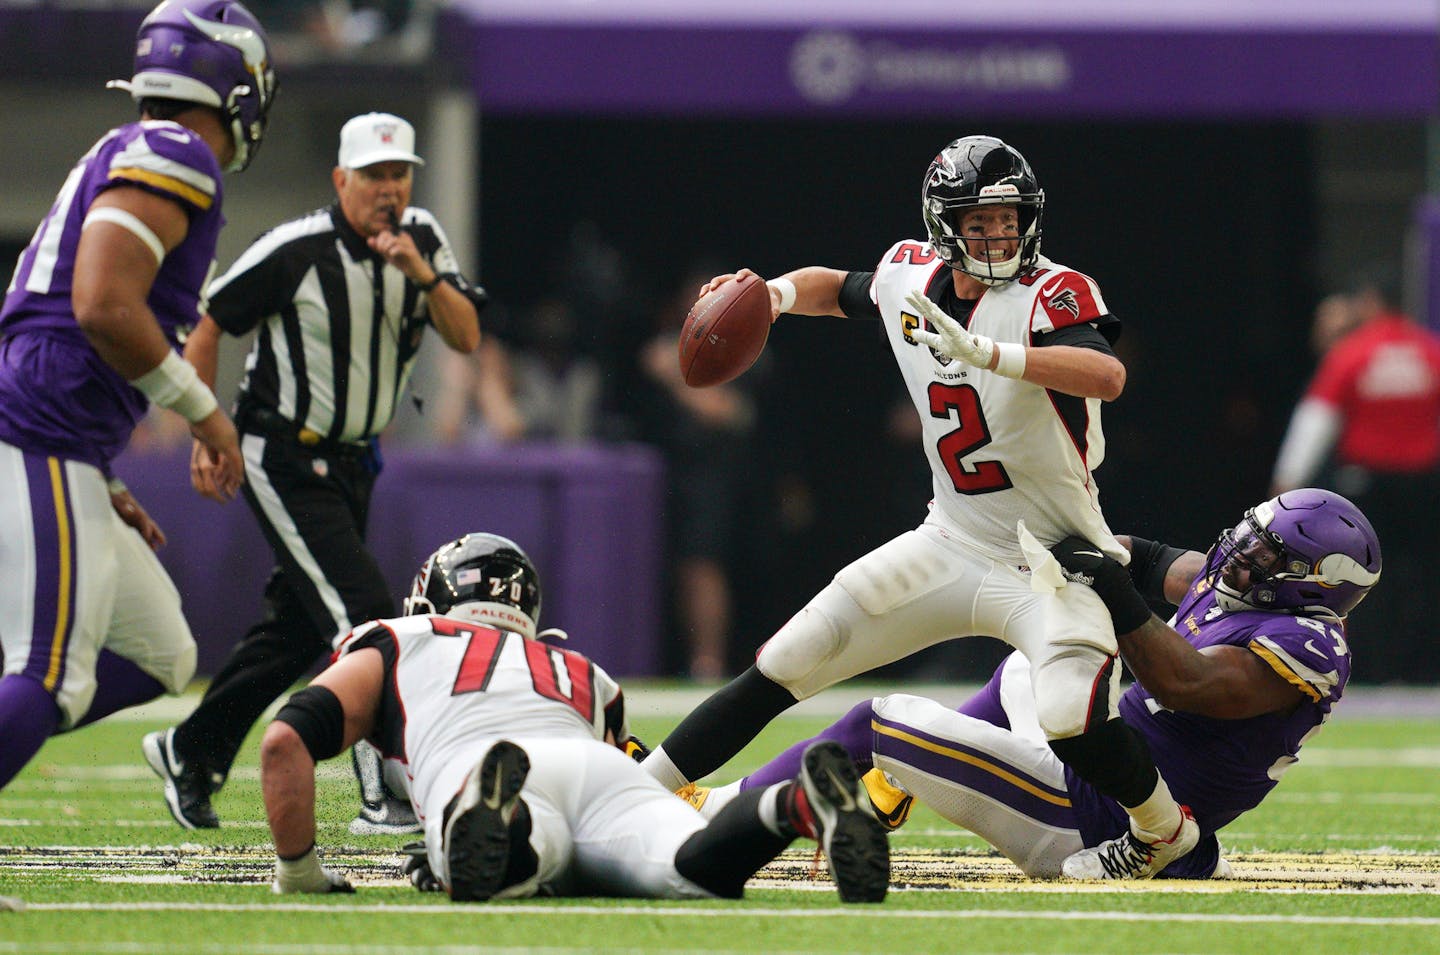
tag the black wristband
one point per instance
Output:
(1149, 563)
(430, 285)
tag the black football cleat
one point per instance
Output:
(477, 823)
(187, 788)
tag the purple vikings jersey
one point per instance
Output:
(1222, 768)
(57, 396)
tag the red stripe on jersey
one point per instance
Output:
(400, 752)
(1077, 430)
(1100, 694)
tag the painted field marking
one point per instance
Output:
(682, 911)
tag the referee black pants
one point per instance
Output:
(312, 506)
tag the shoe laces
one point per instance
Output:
(1126, 856)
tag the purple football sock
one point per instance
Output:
(851, 731)
(119, 683)
(28, 717)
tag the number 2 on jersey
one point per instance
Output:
(555, 674)
(972, 435)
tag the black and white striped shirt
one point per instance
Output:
(339, 327)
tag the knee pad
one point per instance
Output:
(798, 650)
(1076, 689)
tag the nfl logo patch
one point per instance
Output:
(321, 466)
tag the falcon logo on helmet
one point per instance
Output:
(211, 52)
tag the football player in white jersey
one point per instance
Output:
(513, 750)
(1007, 357)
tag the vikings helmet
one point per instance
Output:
(1307, 550)
(482, 577)
(212, 52)
(973, 171)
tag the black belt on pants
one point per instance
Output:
(272, 424)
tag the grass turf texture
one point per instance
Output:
(1344, 857)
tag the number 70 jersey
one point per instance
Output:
(450, 681)
(1000, 449)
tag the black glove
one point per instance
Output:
(416, 867)
(1084, 563)
(635, 749)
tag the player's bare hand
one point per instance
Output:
(720, 280)
(216, 467)
(136, 516)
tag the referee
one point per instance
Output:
(341, 297)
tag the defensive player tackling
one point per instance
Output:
(1247, 671)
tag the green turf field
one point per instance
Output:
(1344, 857)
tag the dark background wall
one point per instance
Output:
(1198, 235)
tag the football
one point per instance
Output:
(725, 332)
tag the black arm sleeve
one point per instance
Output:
(316, 715)
(1082, 336)
(855, 296)
(1149, 563)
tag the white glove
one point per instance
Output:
(306, 874)
(950, 339)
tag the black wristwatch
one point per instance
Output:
(430, 285)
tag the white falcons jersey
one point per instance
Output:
(1001, 449)
(450, 681)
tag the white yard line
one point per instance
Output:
(666, 911)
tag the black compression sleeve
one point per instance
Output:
(1149, 563)
(316, 715)
(855, 296)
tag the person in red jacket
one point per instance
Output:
(1368, 427)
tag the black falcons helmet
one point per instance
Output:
(973, 171)
(481, 577)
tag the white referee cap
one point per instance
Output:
(377, 137)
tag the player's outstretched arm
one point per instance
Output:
(812, 290)
(1224, 682)
(320, 721)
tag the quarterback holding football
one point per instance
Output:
(1007, 356)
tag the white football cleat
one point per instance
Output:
(1130, 857)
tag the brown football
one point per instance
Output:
(725, 332)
